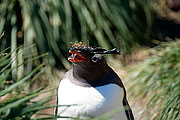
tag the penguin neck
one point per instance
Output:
(88, 72)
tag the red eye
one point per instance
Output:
(75, 55)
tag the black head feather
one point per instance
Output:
(94, 50)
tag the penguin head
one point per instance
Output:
(91, 54)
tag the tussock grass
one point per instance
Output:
(157, 80)
(16, 102)
(53, 24)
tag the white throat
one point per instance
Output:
(89, 101)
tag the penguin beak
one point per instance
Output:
(76, 57)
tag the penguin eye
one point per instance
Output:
(94, 59)
(75, 55)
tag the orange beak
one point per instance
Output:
(75, 57)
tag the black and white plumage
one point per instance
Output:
(91, 87)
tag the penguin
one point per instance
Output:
(91, 88)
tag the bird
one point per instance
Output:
(91, 88)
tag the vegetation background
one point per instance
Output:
(36, 35)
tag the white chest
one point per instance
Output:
(88, 101)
